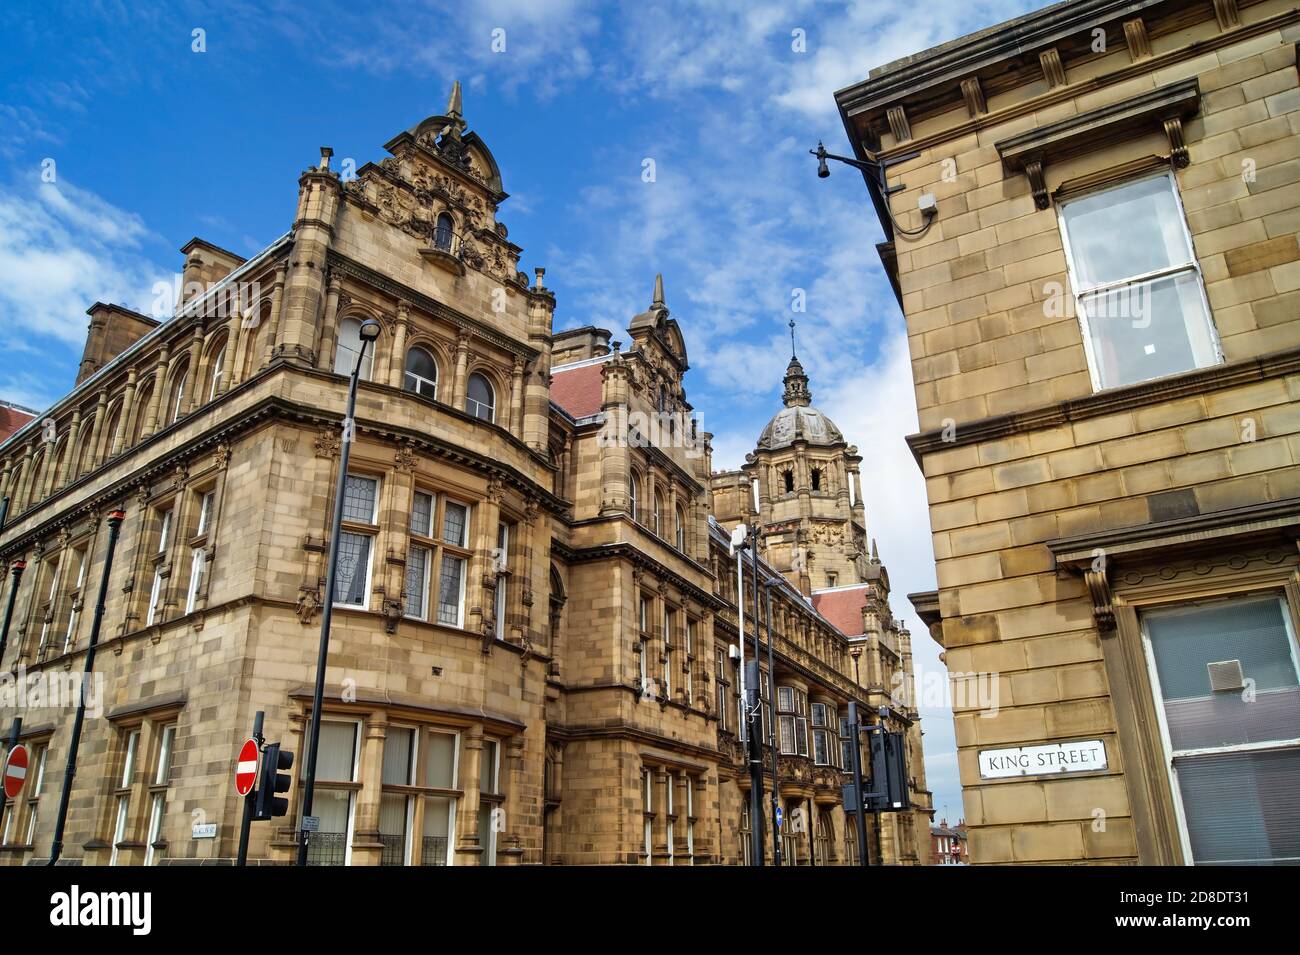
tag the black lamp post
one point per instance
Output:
(115, 519)
(369, 332)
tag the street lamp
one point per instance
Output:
(876, 172)
(369, 332)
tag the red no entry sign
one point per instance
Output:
(15, 771)
(246, 767)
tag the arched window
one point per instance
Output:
(822, 845)
(109, 433)
(480, 401)
(218, 369)
(421, 373)
(177, 400)
(444, 233)
(633, 494)
(679, 535)
(816, 479)
(657, 517)
(349, 347)
(788, 478)
(850, 841)
(140, 412)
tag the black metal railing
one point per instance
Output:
(434, 851)
(327, 848)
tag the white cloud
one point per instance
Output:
(61, 249)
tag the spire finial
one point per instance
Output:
(659, 290)
(793, 354)
(454, 101)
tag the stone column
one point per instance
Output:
(69, 450)
(277, 299)
(366, 847)
(397, 360)
(329, 327)
(229, 373)
(659, 844)
(517, 398)
(480, 596)
(124, 419)
(193, 379)
(468, 850)
(462, 365)
(159, 389)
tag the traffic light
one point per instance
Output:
(888, 773)
(267, 804)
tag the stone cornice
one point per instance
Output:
(953, 61)
(267, 410)
(1066, 93)
(1182, 536)
(1112, 401)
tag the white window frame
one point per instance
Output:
(1170, 754)
(71, 631)
(218, 369)
(352, 793)
(1080, 293)
(453, 802)
(647, 809)
(372, 534)
(155, 591)
(122, 812)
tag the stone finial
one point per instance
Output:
(659, 290)
(454, 104)
(325, 153)
(539, 273)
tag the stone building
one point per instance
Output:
(1104, 319)
(530, 656)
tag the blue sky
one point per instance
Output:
(152, 143)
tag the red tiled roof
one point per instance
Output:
(578, 390)
(11, 419)
(843, 608)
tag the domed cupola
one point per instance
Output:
(798, 420)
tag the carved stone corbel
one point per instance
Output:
(1037, 183)
(1135, 35)
(1053, 69)
(973, 93)
(1177, 145)
(898, 124)
(1225, 11)
(1103, 608)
